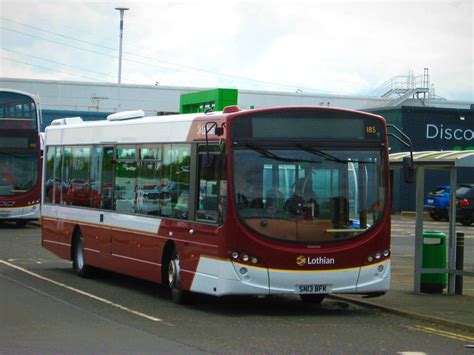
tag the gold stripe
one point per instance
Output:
(292, 270)
(442, 333)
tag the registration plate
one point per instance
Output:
(430, 200)
(313, 288)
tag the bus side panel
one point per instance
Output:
(135, 247)
(201, 240)
(53, 240)
(96, 245)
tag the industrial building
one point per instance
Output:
(433, 123)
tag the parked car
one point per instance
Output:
(465, 204)
(437, 202)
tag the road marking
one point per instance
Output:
(442, 333)
(97, 298)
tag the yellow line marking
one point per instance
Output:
(442, 333)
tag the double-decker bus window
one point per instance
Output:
(107, 181)
(17, 111)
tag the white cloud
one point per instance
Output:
(346, 47)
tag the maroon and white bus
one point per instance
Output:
(287, 200)
(20, 157)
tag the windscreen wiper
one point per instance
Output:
(328, 156)
(267, 154)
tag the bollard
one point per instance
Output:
(459, 262)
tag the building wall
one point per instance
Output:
(430, 129)
(83, 96)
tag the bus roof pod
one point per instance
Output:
(66, 121)
(126, 115)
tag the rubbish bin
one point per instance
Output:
(434, 256)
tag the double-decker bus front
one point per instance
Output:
(309, 209)
(19, 157)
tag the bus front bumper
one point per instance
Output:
(223, 277)
(20, 213)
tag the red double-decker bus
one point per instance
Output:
(20, 153)
(287, 200)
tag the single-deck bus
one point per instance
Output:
(287, 200)
(20, 162)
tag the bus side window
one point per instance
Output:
(208, 194)
(66, 176)
(94, 177)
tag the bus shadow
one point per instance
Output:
(4, 225)
(234, 306)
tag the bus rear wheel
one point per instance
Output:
(174, 285)
(78, 261)
(312, 298)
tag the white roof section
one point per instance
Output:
(437, 159)
(151, 129)
(126, 115)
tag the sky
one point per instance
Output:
(330, 47)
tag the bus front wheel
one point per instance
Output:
(78, 261)
(177, 294)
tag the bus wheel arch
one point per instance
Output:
(77, 254)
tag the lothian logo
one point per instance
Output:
(321, 260)
(301, 260)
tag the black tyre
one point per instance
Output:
(312, 298)
(78, 261)
(177, 294)
(436, 216)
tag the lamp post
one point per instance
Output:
(122, 10)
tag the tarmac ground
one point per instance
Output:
(442, 308)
